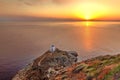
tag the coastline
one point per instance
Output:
(63, 65)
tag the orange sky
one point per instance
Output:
(79, 9)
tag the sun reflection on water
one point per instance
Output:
(86, 29)
(88, 43)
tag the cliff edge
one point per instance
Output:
(47, 66)
(63, 65)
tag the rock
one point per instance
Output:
(47, 66)
(89, 78)
(73, 56)
(78, 69)
(92, 69)
(73, 53)
(117, 76)
(64, 77)
(61, 65)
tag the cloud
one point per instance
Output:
(30, 18)
(36, 2)
(63, 1)
(28, 3)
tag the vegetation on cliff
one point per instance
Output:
(99, 68)
(47, 66)
(63, 65)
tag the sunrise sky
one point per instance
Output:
(60, 9)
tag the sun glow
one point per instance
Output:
(87, 17)
(89, 11)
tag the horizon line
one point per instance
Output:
(60, 21)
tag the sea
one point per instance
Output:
(22, 42)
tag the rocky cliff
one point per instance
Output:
(47, 66)
(61, 65)
(99, 68)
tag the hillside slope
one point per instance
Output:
(63, 65)
(47, 66)
(99, 68)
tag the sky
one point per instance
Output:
(60, 9)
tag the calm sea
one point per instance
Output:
(22, 42)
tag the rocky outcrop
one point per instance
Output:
(99, 68)
(61, 65)
(47, 66)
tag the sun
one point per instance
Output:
(87, 17)
(89, 11)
